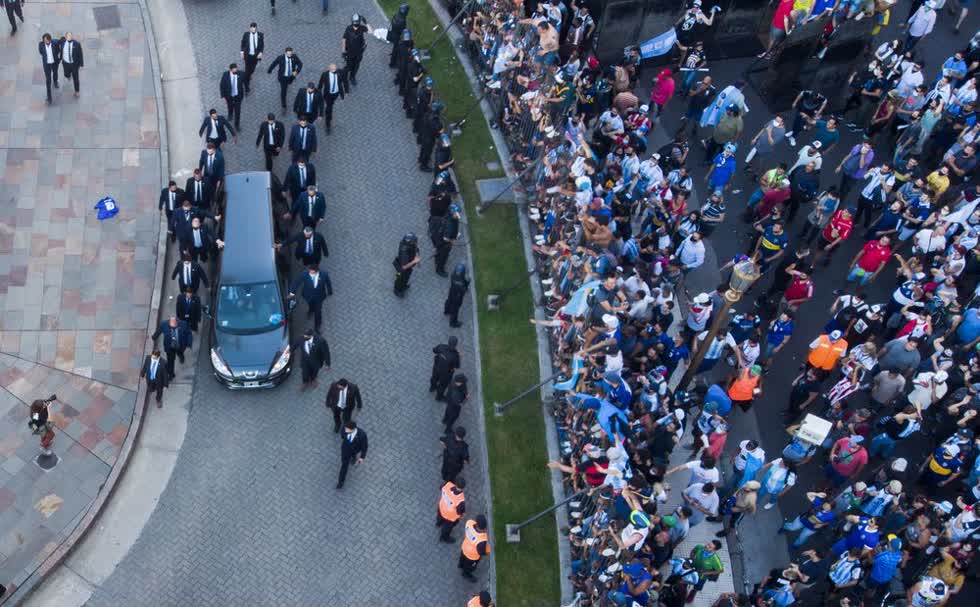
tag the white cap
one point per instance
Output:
(610, 321)
(900, 464)
(703, 298)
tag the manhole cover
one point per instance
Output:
(106, 17)
(499, 189)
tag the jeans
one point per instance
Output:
(797, 525)
(755, 198)
(858, 275)
(882, 445)
(619, 598)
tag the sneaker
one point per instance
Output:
(768, 506)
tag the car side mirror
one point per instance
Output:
(207, 311)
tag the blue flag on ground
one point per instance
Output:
(107, 208)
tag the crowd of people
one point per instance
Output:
(891, 490)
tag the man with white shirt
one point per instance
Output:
(215, 129)
(690, 252)
(342, 398)
(157, 377)
(272, 136)
(253, 44)
(314, 286)
(50, 52)
(313, 352)
(333, 84)
(71, 58)
(232, 88)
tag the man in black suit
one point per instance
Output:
(199, 191)
(177, 337)
(215, 129)
(272, 134)
(353, 448)
(333, 83)
(71, 58)
(444, 365)
(253, 43)
(13, 8)
(311, 207)
(198, 240)
(189, 274)
(171, 199)
(287, 67)
(156, 374)
(313, 352)
(233, 92)
(315, 287)
(212, 165)
(311, 246)
(302, 139)
(308, 103)
(50, 52)
(342, 397)
(185, 215)
(299, 175)
(189, 309)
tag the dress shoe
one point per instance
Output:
(340, 485)
(455, 325)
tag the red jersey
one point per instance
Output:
(838, 227)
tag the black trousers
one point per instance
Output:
(155, 388)
(316, 311)
(14, 8)
(71, 73)
(172, 355)
(50, 72)
(450, 470)
(866, 208)
(250, 62)
(445, 527)
(425, 153)
(442, 255)
(344, 465)
(270, 154)
(353, 63)
(450, 416)
(309, 373)
(438, 382)
(198, 254)
(452, 309)
(401, 280)
(283, 89)
(341, 416)
(234, 111)
(466, 565)
(328, 101)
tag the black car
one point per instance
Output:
(249, 334)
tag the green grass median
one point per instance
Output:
(527, 573)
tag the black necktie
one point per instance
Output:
(302, 177)
(197, 196)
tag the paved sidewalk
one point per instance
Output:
(75, 292)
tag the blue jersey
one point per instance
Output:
(107, 208)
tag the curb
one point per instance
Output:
(57, 557)
(544, 347)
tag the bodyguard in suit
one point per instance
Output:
(71, 59)
(333, 83)
(232, 89)
(177, 337)
(311, 207)
(272, 135)
(215, 129)
(50, 52)
(287, 66)
(342, 397)
(308, 103)
(199, 191)
(299, 175)
(156, 374)
(314, 287)
(311, 246)
(198, 240)
(302, 139)
(171, 199)
(353, 448)
(13, 8)
(184, 217)
(189, 309)
(313, 352)
(212, 165)
(189, 274)
(253, 43)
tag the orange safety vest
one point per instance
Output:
(743, 387)
(827, 353)
(473, 538)
(474, 602)
(449, 501)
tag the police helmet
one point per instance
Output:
(445, 140)
(355, 19)
(403, 9)
(410, 237)
(454, 208)
(438, 106)
(416, 53)
(428, 82)
(442, 176)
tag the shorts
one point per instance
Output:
(777, 34)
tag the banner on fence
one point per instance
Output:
(658, 45)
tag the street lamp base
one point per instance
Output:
(493, 302)
(46, 460)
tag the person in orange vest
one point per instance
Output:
(452, 505)
(481, 600)
(826, 351)
(746, 386)
(476, 544)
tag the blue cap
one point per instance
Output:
(428, 81)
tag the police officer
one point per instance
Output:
(408, 257)
(423, 99)
(401, 53)
(476, 544)
(458, 394)
(455, 454)
(414, 73)
(452, 505)
(352, 45)
(444, 231)
(444, 153)
(428, 134)
(481, 600)
(459, 284)
(396, 32)
(444, 364)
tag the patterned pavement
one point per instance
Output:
(74, 291)
(251, 516)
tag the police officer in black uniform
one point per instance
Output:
(420, 105)
(440, 195)
(444, 154)
(431, 129)
(458, 286)
(414, 73)
(396, 32)
(443, 230)
(444, 364)
(401, 53)
(408, 257)
(352, 46)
